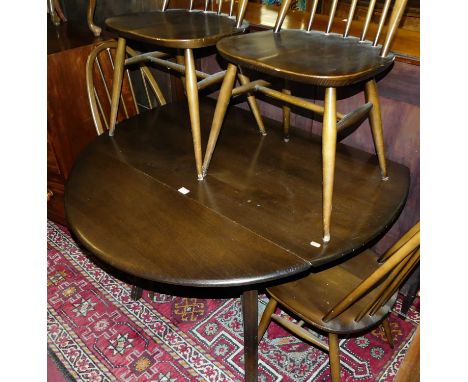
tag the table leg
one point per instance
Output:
(250, 317)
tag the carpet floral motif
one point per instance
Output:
(97, 333)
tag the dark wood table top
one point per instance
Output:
(251, 220)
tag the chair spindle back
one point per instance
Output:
(398, 262)
(395, 18)
(99, 74)
(241, 8)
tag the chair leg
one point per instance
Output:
(220, 111)
(58, 9)
(53, 14)
(136, 293)
(90, 18)
(117, 83)
(334, 354)
(388, 332)
(266, 317)
(328, 158)
(375, 120)
(286, 117)
(191, 89)
(181, 60)
(244, 80)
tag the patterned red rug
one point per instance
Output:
(96, 332)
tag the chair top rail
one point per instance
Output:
(241, 8)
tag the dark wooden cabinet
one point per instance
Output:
(69, 124)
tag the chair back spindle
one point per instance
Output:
(395, 18)
(331, 17)
(370, 12)
(312, 14)
(385, 280)
(241, 8)
(383, 17)
(352, 10)
(99, 74)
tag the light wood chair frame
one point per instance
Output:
(334, 122)
(192, 79)
(101, 121)
(397, 263)
(56, 13)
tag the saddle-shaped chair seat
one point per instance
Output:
(176, 28)
(311, 57)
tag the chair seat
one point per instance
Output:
(176, 28)
(313, 296)
(311, 57)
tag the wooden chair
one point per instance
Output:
(348, 298)
(323, 59)
(99, 72)
(182, 30)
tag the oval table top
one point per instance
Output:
(176, 28)
(255, 218)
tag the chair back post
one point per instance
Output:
(241, 8)
(395, 18)
(395, 247)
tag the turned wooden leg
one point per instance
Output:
(244, 80)
(191, 89)
(266, 317)
(58, 9)
(328, 158)
(221, 106)
(90, 18)
(117, 83)
(181, 61)
(53, 14)
(286, 117)
(136, 293)
(388, 332)
(334, 354)
(250, 316)
(375, 120)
